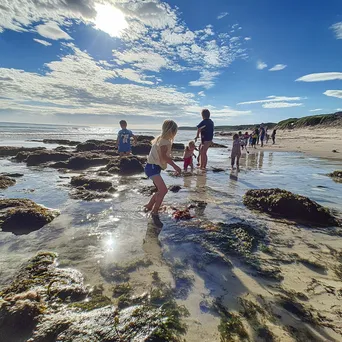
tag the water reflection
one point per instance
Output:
(151, 244)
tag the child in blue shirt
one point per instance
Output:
(123, 141)
(206, 129)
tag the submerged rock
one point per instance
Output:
(215, 145)
(14, 175)
(288, 205)
(43, 157)
(336, 176)
(52, 304)
(11, 151)
(82, 161)
(22, 216)
(6, 182)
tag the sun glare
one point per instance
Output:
(110, 20)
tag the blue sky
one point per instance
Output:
(98, 61)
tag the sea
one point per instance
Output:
(91, 236)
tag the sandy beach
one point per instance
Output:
(317, 142)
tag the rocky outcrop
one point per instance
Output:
(61, 142)
(82, 161)
(285, 204)
(141, 149)
(12, 174)
(89, 189)
(22, 216)
(53, 304)
(336, 176)
(93, 145)
(11, 151)
(6, 182)
(145, 138)
(43, 157)
(126, 166)
(178, 146)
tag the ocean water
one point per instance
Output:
(91, 236)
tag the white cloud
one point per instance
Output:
(334, 93)
(248, 38)
(337, 29)
(323, 76)
(201, 93)
(278, 67)
(261, 65)
(51, 30)
(274, 105)
(222, 15)
(218, 113)
(273, 98)
(41, 41)
(316, 110)
(206, 79)
(339, 109)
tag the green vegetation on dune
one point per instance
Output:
(314, 120)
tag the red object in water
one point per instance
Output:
(182, 215)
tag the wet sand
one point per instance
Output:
(317, 142)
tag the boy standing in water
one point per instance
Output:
(273, 136)
(206, 129)
(123, 141)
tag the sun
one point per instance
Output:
(110, 20)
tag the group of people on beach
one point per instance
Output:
(160, 154)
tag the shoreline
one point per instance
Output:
(315, 142)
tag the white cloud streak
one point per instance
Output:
(43, 42)
(319, 77)
(337, 28)
(261, 65)
(316, 110)
(334, 93)
(51, 30)
(274, 105)
(273, 98)
(222, 15)
(278, 67)
(206, 79)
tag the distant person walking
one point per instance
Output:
(273, 136)
(257, 132)
(262, 135)
(254, 138)
(236, 151)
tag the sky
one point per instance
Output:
(99, 61)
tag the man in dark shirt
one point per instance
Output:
(206, 129)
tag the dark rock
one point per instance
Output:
(178, 146)
(6, 182)
(145, 138)
(148, 190)
(217, 169)
(288, 205)
(335, 151)
(43, 157)
(336, 176)
(61, 149)
(61, 142)
(22, 216)
(53, 304)
(88, 195)
(141, 149)
(91, 183)
(175, 188)
(215, 145)
(8, 151)
(94, 146)
(14, 175)
(126, 166)
(83, 161)
(21, 156)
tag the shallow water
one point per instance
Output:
(92, 236)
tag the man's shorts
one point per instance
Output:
(152, 170)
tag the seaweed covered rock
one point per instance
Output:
(52, 304)
(145, 138)
(12, 174)
(215, 145)
(178, 146)
(95, 146)
(6, 182)
(336, 176)
(288, 205)
(11, 151)
(22, 216)
(42, 157)
(141, 149)
(126, 166)
(89, 189)
(82, 161)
